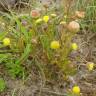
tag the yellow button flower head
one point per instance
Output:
(90, 66)
(3, 24)
(6, 41)
(46, 18)
(53, 15)
(65, 16)
(38, 21)
(76, 90)
(55, 45)
(74, 46)
(62, 22)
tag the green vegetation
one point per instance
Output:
(2, 85)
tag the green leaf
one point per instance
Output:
(25, 55)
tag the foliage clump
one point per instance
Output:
(2, 85)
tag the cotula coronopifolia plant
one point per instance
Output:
(63, 46)
(44, 38)
(55, 35)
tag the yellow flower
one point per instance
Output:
(6, 41)
(74, 46)
(3, 24)
(38, 21)
(76, 90)
(90, 66)
(46, 18)
(53, 15)
(55, 45)
(65, 16)
(62, 22)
